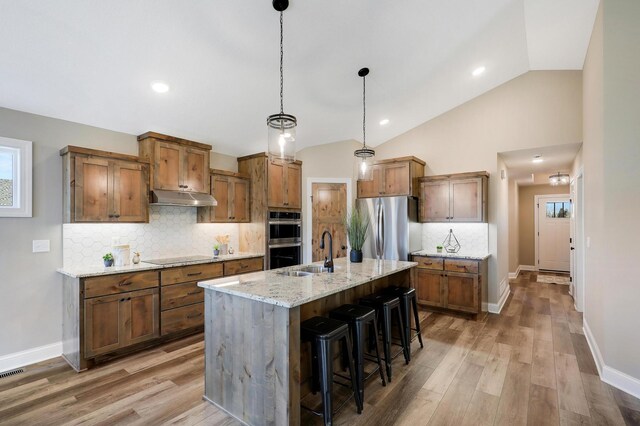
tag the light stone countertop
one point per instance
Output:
(274, 288)
(98, 270)
(460, 255)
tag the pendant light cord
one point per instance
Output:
(364, 111)
(281, 61)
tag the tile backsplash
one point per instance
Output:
(171, 232)
(473, 237)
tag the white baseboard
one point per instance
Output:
(485, 307)
(610, 375)
(30, 356)
(527, 268)
(496, 308)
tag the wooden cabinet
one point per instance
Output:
(394, 177)
(120, 320)
(232, 191)
(454, 198)
(450, 283)
(103, 186)
(285, 184)
(176, 164)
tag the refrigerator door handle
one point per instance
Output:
(381, 230)
(378, 236)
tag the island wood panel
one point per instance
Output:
(72, 332)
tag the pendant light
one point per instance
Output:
(282, 127)
(364, 156)
(559, 179)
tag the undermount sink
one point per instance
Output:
(314, 269)
(296, 273)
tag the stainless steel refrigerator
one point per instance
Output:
(394, 231)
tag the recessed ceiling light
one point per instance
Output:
(159, 86)
(384, 122)
(478, 71)
(537, 159)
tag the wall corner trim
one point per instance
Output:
(496, 308)
(610, 375)
(30, 356)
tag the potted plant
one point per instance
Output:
(439, 249)
(108, 260)
(356, 224)
(216, 250)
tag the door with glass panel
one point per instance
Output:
(553, 248)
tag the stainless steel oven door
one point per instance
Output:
(284, 254)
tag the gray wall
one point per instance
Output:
(31, 305)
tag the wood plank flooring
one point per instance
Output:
(530, 365)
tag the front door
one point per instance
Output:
(553, 233)
(329, 207)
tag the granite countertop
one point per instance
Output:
(274, 288)
(98, 270)
(460, 255)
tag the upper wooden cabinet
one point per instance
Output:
(454, 198)
(103, 186)
(232, 191)
(393, 177)
(285, 184)
(176, 164)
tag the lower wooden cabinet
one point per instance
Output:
(116, 321)
(439, 284)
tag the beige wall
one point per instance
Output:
(31, 306)
(612, 185)
(540, 108)
(526, 218)
(224, 162)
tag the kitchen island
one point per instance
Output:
(255, 367)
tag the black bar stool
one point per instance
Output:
(408, 303)
(322, 332)
(385, 304)
(359, 317)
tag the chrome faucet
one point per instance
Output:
(328, 262)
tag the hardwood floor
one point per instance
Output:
(529, 365)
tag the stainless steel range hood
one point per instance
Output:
(180, 198)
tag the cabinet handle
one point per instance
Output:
(194, 274)
(125, 283)
(116, 216)
(110, 215)
(192, 293)
(128, 298)
(244, 266)
(122, 300)
(194, 316)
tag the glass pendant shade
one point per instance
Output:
(559, 179)
(282, 137)
(364, 163)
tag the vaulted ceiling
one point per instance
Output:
(92, 61)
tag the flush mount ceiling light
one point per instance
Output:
(159, 86)
(559, 179)
(364, 156)
(478, 71)
(282, 127)
(384, 122)
(537, 159)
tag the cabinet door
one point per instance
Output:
(92, 190)
(371, 188)
(168, 167)
(462, 292)
(434, 201)
(275, 183)
(130, 191)
(241, 206)
(141, 316)
(103, 330)
(396, 178)
(293, 186)
(466, 200)
(196, 170)
(220, 191)
(429, 287)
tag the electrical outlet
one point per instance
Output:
(41, 246)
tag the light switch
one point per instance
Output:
(41, 246)
(588, 242)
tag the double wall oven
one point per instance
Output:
(284, 236)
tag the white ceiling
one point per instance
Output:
(557, 158)
(92, 61)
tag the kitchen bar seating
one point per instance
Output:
(322, 332)
(359, 318)
(408, 303)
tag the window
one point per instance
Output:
(558, 209)
(15, 178)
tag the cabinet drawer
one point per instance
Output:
(179, 319)
(243, 266)
(113, 284)
(459, 265)
(175, 296)
(185, 274)
(429, 262)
